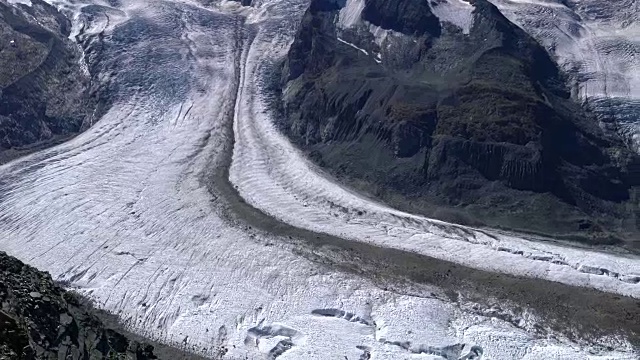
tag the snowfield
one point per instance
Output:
(122, 215)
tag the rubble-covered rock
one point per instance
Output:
(40, 320)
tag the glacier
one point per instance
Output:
(272, 175)
(126, 214)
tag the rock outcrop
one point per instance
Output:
(44, 91)
(448, 109)
(40, 320)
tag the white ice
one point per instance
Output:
(121, 214)
(353, 46)
(456, 12)
(350, 14)
(23, 2)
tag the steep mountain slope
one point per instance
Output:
(597, 43)
(448, 109)
(44, 91)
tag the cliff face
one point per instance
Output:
(448, 109)
(39, 320)
(44, 93)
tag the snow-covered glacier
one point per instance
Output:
(127, 214)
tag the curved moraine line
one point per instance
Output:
(273, 176)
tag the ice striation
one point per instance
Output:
(122, 213)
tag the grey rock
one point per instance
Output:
(60, 328)
(44, 93)
(478, 129)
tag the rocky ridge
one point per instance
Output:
(45, 94)
(40, 320)
(461, 116)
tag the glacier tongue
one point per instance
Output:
(121, 215)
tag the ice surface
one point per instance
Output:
(456, 12)
(351, 13)
(23, 2)
(120, 213)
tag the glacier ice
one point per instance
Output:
(121, 213)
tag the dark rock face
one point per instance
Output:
(476, 128)
(244, 2)
(39, 320)
(407, 17)
(44, 92)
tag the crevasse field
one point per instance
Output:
(129, 214)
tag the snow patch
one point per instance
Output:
(456, 12)
(350, 14)
(380, 38)
(381, 35)
(354, 46)
(22, 2)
